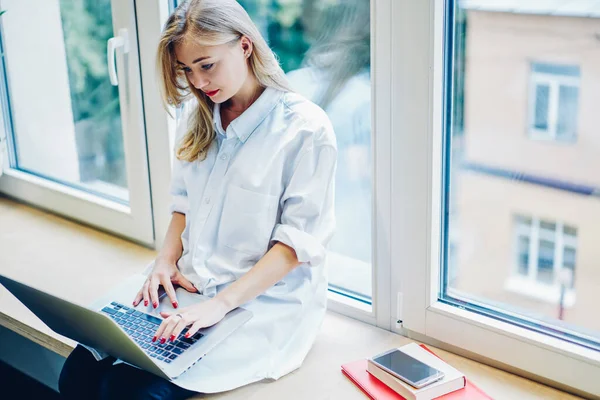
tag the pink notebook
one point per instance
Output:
(377, 390)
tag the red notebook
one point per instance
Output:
(377, 390)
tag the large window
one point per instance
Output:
(519, 226)
(72, 112)
(310, 38)
(494, 234)
(76, 136)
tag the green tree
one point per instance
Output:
(87, 26)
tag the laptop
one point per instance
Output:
(113, 326)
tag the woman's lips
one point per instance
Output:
(211, 94)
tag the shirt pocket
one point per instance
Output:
(247, 220)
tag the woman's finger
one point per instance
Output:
(138, 298)
(161, 329)
(145, 293)
(166, 282)
(196, 326)
(163, 325)
(179, 327)
(165, 329)
(184, 283)
(153, 289)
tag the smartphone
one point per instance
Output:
(410, 370)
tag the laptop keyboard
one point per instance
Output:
(141, 328)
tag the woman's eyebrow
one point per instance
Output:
(197, 60)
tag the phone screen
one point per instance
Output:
(406, 366)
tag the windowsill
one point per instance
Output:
(546, 293)
(542, 136)
(92, 261)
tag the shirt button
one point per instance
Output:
(207, 200)
(224, 157)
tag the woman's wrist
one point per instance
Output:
(221, 301)
(167, 258)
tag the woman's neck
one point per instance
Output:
(248, 93)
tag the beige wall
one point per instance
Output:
(500, 47)
(485, 257)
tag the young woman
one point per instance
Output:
(251, 217)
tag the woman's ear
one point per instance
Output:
(246, 46)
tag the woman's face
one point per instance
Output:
(219, 71)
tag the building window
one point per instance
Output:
(554, 102)
(545, 259)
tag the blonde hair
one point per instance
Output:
(209, 23)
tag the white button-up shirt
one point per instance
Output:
(268, 177)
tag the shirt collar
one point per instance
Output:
(217, 120)
(244, 125)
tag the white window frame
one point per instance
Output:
(554, 82)
(160, 126)
(131, 220)
(418, 119)
(529, 285)
(379, 314)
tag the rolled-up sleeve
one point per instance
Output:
(179, 201)
(307, 219)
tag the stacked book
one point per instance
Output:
(379, 384)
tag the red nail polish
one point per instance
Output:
(145, 302)
(162, 340)
(172, 338)
(175, 305)
(155, 304)
(187, 335)
(133, 303)
(154, 339)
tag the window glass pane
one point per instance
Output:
(545, 273)
(569, 258)
(61, 78)
(325, 49)
(542, 98)
(556, 69)
(568, 98)
(548, 226)
(310, 39)
(523, 254)
(524, 220)
(569, 231)
(569, 264)
(518, 212)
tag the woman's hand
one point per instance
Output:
(201, 315)
(164, 273)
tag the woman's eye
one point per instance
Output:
(187, 70)
(206, 67)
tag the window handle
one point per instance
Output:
(113, 44)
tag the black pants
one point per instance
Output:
(82, 377)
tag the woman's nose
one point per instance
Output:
(198, 81)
